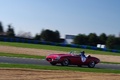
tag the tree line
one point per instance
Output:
(111, 41)
(10, 31)
(45, 35)
(92, 39)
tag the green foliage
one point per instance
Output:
(117, 43)
(10, 31)
(110, 41)
(102, 38)
(81, 39)
(37, 37)
(92, 39)
(50, 36)
(1, 28)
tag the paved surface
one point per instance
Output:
(44, 62)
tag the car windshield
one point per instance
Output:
(74, 52)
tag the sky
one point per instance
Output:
(71, 17)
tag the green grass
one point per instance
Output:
(110, 62)
(21, 55)
(39, 67)
(58, 48)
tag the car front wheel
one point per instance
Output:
(65, 62)
(91, 64)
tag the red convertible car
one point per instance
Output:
(72, 59)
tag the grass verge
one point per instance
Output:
(39, 67)
(110, 62)
(57, 48)
(21, 55)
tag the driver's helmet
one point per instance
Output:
(83, 52)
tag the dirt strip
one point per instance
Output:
(26, 74)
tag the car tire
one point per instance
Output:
(91, 64)
(65, 62)
(52, 63)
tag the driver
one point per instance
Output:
(82, 54)
(83, 57)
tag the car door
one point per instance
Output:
(75, 60)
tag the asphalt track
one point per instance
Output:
(44, 62)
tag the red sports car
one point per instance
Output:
(72, 59)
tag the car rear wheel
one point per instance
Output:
(52, 63)
(91, 64)
(65, 62)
